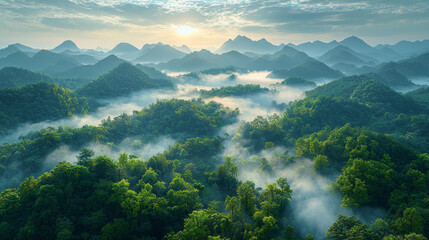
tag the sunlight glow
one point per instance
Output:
(185, 30)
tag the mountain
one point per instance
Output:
(183, 48)
(11, 77)
(67, 45)
(24, 48)
(411, 67)
(285, 58)
(81, 58)
(341, 54)
(152, 72)
(356, 44)
(44, 61)
(243, 44)
(316, 48)
(37, 102)
(92, 71)
(420, 95)
(8, 51)
(204, 59)
(121, 81)
(123, 48)
(407, 49)
(380, 54)
(13, 48)
(125, 51)
(364, 89)
(17, 59)
(311, 70)
(159, 53)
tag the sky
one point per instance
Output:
(208, 23)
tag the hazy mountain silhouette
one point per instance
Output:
(411, 67)
(41, 61)
(204, 59)
(311, 70)
(406, 48)
(244, 44)
(125, 51)
(316, 48)
(67, 45)
(159, 53)
(92, 71)
(287, 57)
(183, 48)
(342, 54)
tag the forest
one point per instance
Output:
(234, 146)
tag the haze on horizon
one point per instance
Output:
(207, 23)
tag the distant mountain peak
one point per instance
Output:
(244, 44)
(66, 45)
(239, 37)
(124, 47)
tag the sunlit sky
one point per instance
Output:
(208, 23)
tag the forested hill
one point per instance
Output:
(121, 81)
(420, 95)
(356, 100)
(38, 102)
(364, 89)
(11, 77)
(174, 118)
(237, 91)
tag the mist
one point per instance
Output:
(313, 207)
(112, 107)
(131, 146)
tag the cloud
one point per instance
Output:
(80, 24)
(153, 20)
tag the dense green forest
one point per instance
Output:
(38, 102)
(372, 141)
(238, 90)
(177, 118)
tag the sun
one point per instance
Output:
(185, 30)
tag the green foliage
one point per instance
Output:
(237, 91)
(38, 102)
(411, 222)
(321, 162)
(349, 228)
(364, 89)
(11, 77)
(178, 118)
(420, 95)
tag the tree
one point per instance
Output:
(84, 155)
(321, 162)
(286, 191)
(246, 195)
(411, 222)
(232, 204)
(349, 228)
